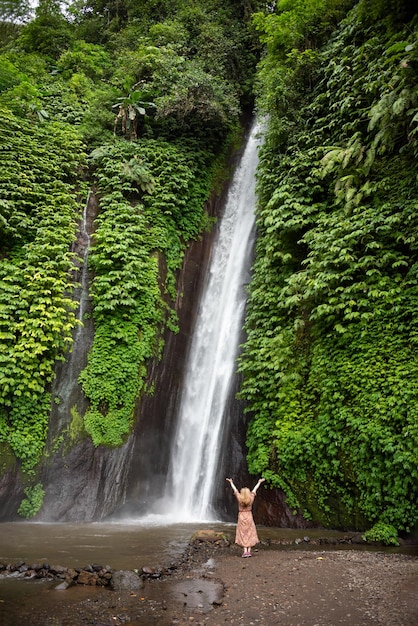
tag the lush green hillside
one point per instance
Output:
(331, 360)
(139, 103)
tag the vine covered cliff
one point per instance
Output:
(330, 365)
(136, 109)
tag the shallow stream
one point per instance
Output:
(128, 545)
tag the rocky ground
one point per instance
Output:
(212, 585)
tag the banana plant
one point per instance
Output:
(130, 110)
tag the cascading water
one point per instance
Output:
(211, 363)
(85, 241)
(65, 388)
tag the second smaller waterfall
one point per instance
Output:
(65, 387)
(212, 358)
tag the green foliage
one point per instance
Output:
(31, 504)
(329, 363)
(89, 59)
(58, 84)
(190, 101)
(166, 186)
(200, 104)
(75, 430)
(49, 33)
(382, 533)
(38, 213)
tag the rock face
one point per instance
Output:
(11, 494)
(270, 509)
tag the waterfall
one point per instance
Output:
(85, 243)
(65, 388)
(211, 364)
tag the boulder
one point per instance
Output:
(87, 578)
(64, 585)
(125, 580)
(208, 535)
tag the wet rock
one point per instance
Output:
(87, 578)
(96, 567)
(208, 535)
(125, 580)
(36, 567)
(71, 573)
(271, 509)
(58, 570)
(64, 585)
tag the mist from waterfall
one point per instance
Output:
(211, 365)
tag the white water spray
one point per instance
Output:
(211, 363)
(85, 240)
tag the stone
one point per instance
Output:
(36, 567)
(87, 578)
(58, 569)
(208, 535)
(64, 585)
(125, 580)
(96, 567)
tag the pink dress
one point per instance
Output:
(246, 532)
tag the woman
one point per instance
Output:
(246, 533)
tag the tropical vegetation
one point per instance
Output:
(330, 361)
(139, 105)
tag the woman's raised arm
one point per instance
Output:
(231, 482)
(261, 480)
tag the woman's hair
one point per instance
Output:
(245, 496)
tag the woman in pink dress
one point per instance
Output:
(246, 533)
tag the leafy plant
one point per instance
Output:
(131, 296)
(382, 533)
(329, 362)
(129, 108)
(38, 214)
(32, 503)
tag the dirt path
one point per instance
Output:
(214, 586)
